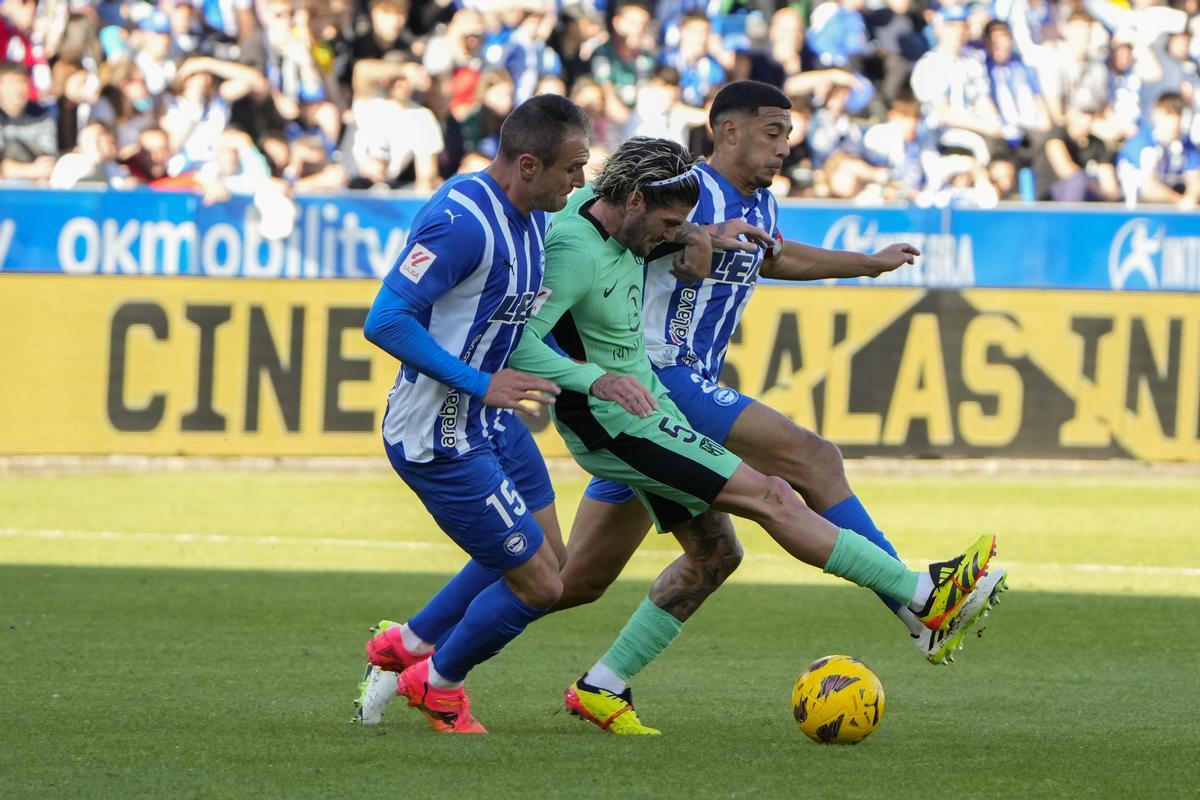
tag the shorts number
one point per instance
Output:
(676, 431)
(515, 503)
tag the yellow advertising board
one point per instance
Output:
(209, 366)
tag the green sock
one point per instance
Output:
(645, 635)
(860, 561)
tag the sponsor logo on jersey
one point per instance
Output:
(679, 323)
(737, 267)
(515, 309)
(448, 419)
(516, 543)
(417, 262)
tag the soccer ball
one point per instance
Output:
(837, 700)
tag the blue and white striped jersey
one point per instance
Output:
(690, 324)
(473, 264)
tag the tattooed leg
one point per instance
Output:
(711, 552)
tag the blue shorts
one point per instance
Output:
(710, 408)
(484, 500)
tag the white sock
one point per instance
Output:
(906, 615)
(438, 682)
(924, 589)
(413, 643)
(604, 678)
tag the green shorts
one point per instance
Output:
(676, 472)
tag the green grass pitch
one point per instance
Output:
(199, 635)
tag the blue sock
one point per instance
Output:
(493, 619)
(434, 622)
(851, 514)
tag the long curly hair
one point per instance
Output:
(662, 170)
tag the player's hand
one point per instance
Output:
(694, 262)
(892, 257)
(510, 388)
(724, 236)
(627, 392)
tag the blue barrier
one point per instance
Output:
(359, 236)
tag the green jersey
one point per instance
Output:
(591, 301)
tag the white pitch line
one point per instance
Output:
(401, 544)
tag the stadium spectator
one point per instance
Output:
(525, 51)
(897, 44)
(625, 62)
(660, 110)
(310, 168)
(786, 53)
(838, 34)
(1002, 173)
(458, 53)
(28, 133)
(237, 168)
(388, 120)
(18, 47)
(699, 72)
(77, 90)
(94, 160)
(154, 57)
(493, 103)
(147, 162)
(832, 130)
(1071, 65)
(1159, 164)
(381, 31)
(1075, 165)
(1024, 118)
(904, 146)
(286, 70)
(199, 109)
(952, 84)
(589, 95)
(290, 66)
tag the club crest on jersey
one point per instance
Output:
(417, 262)
(514, 309)
(516, 543)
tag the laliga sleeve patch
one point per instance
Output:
(540, 300)
(417, 262)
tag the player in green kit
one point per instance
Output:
(591, 301)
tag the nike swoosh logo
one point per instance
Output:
(609, 290)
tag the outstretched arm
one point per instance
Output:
(800, 262)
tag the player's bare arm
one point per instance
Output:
(801, 262)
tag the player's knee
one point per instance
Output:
(723, 553)
(826, 455)
(542, 593)
(726, 558)
(583, 592)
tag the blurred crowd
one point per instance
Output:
(934, 102)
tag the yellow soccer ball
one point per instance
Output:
(837, 700)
